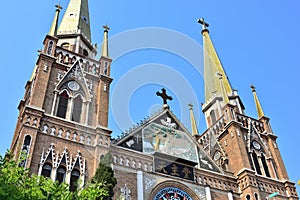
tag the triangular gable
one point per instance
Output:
(254, 138)
(215, 146)
(165, 134)
(78, 162)
(132, 139)
(75, 81)
(64, 158)
(49, 156)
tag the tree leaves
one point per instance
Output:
(17, 184)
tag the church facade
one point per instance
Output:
(63, 128)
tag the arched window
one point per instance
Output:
(213, 117)
(75, 174)
(62, 105)
(47, 169)
(263, 160)
(77, 109)
(25, 150)
(248, 197)
(256, 196)
(50, 45)
(256, 164)
(105, 68)
(61, 174)
(85, 52)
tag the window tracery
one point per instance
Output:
(63, 168)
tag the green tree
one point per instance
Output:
(104, 174)
(17, 184)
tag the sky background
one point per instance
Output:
(257, 41)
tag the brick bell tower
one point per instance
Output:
(62, 125)
(240, 144)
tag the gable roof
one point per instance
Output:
(164, 133)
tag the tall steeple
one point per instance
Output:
(193, 122)
(53, 29)
(259, 109)
(218, 90)
(104, 51)
(212, 67)
(76, 19)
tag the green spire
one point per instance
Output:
(53, 29)
(212, 67)
(76, 19)
(105, 42)
(193, 121)
(259, 109)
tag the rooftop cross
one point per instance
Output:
(58, 6)
(106, 28)
(164, 96)
(204, 24)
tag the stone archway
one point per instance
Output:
(172, 186)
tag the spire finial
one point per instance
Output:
(259, 109)
(224, 94)
(53, 29)
(193, 121)
(204, 24)
(105, 42)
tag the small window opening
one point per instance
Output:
(47, 169)
(74, 180)
(61, 174)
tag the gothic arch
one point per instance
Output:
(174, 184)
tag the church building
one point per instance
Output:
(63, 128)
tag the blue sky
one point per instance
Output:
(257, 41)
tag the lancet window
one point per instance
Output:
(47, 170)
(62, 105)
(259, 160)
(25, 151)
(77, 108)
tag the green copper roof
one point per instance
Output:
(76, 19)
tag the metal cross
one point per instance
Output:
(204, 24)
(58, 6)
(106, 27)
(164, 95)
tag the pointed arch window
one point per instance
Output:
(75, 174)
(248, 197)
(62, 105)
(47, 169)
(25, 150)
(50, 46)
(85, 52)
(77, 107)
(265, 166)
(61, 174)
(256, 163)
(213, 117)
